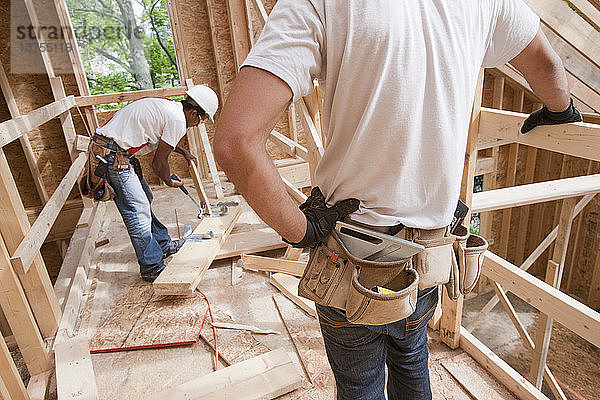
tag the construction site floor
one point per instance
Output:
(138, 373)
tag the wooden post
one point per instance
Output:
(215, 45)
(240, 35)
(36, 282)
(452, 310)
(22, 322)
(553, 277)
(9, 376)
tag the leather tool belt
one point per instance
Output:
(378, 293)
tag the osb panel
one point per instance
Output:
(140, 320)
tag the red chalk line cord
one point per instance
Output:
(212, 320)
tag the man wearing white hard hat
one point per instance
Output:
(145, 125)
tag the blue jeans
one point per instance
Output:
(358, 353)
(149, 237)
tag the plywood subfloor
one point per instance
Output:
(136, 374)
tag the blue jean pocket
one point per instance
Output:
(335, 327)
(426, 304)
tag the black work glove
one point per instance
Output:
(543, 116)
(320, 219)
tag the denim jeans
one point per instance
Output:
(149, 237)
(358, 353)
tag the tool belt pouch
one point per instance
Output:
(366, 306)
(93, 183)
(470, 259)
(434, 263)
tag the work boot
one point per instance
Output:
(151, 277)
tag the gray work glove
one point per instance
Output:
(320, 219)
(543, 116)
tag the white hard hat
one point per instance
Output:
(204, 97)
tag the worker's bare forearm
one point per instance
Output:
(163, 171)
(255, 104)
(544, 71)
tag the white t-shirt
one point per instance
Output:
(399, 80)
(146, 121)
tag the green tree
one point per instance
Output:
(125, 45)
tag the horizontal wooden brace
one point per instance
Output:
(535, 193)
(32, 242)
(87, 101)
(15, 128)
(569, 312)
(575, 139)
(289, 146)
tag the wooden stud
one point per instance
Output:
(511, 175)
(498, 368)
(313, 138)
(200, 188)
(36, 282)
(263, 377)
(211, 161)
(9, 375)
(185, 271)
(20, 317)
(215, 46)
(75, 377)
(31, 244)
(553, 277)
(294, 192)
(240, 36)
(452, 310)
(531, 157)
(536, 193)
(14, 128)
(268, 264)
(575, 139)
(292, 122)
(260, 11)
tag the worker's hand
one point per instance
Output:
(320, 219)
(175, 181)
(543, 116)
(190, 158)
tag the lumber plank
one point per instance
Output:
(569, 312)
(31, 244)
(9, 375)
(75, 377)
(254, 241)
(308, 341)
(576, 139)
(570, 26)
(298, 174)
(450, 321)
(296, 194)
(535, 193)
(211, 161)
(36, 282)
(288, 285)
(268, 264)
(186, 269)
(14, 128)
(499, 368)
(288, 145)
(264, 377)
(20, 317)
(199, 187)
(240, 35)
(313, 138)
(121, 97)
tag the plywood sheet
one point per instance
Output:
(142, 319)
(306, 335)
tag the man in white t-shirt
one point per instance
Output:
(399, 79)
(145, 125)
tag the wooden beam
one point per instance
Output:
(531, 158)
(450, 321)
(36, 282)
(22, 322)
(31, 244)
(9, 375)
(588, 11)
(288, 145)
(254, 241)
(313, 138)
(554, 274)
(264, 377)
(566, 23)
(211, 161)
(298, 174)
(511, 178)
(75, 377)
(121, 97)
(199, 187)
(260, 11)
(185, 271)
(240, 36)
(269, 264)
(215, 46)
(16, 127)
(499, 368)
(578, 317)
(294, 192)
(535, 193)
(576, 139)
